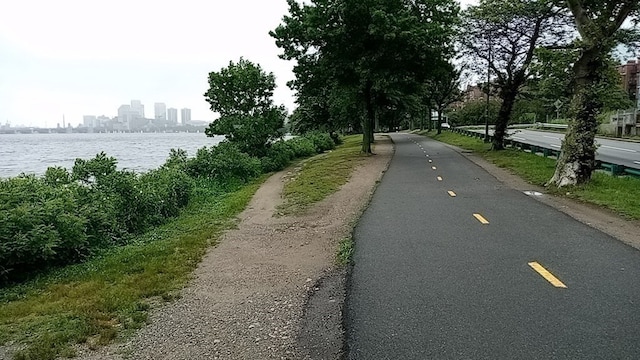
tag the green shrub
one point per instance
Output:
(224, 162)
(178, 159)
(40, 225)
(279, 155)
(302, 147)
(321, 140)
(54, 220)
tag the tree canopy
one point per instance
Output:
(598, 23)
(242, 94)
(371, 53)
(501, 36)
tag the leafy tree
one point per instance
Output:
(242, 95)
(598, 22)
(377, 50)
(445, 90)
(553, 80)
(505, 34)
(473, 113)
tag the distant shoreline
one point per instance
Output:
(190, 129)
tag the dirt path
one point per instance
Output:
(270, 289)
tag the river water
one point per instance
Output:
(33, 153)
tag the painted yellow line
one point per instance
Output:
(452, 194)
(430, 161)
(434, 168)
(439, 178)
(481, 219)
(547, 275)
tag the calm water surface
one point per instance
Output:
(33, 153)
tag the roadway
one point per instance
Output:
(449, 263)
(612, 151)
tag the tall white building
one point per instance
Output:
(185, 116)
(90, 121)
(137, 108)
(172, 115)
(160, 111)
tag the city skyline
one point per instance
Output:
(70, 58)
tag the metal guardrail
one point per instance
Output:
(614, 169)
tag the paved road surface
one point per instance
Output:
(613, 151)
(431, 281)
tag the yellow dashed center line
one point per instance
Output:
(439, 178)
(430, 161)
(434, 168)
(452, 194)
(481, 219)
(547, 275)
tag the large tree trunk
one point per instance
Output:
(578, 155)
(369, 119)
(500, 130)
(429, 120)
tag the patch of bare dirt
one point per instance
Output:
(250, 294)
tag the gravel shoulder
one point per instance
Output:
(271, 289)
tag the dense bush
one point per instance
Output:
(321, 140)
(40, 224)
(279, 155)
(64, 217)
(224, 162)
(302, 147)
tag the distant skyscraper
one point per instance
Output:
(185, 115)
(89, 121)
(137, 108)
(172, 116)
(160, 111)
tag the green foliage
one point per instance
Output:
(62, 218)
(109, 295)
(224, 162)
(302, 147)
(321, 140)
(278, 156)
(503, 34)
(241, 94)
(473, 113)
(354, 58)
(345, 251)
(178, 159)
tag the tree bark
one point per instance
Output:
(578, 155)
(368, 120)
(508, 99)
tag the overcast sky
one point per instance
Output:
(88, 57)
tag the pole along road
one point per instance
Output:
(451, 264)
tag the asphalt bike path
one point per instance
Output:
(450, 263)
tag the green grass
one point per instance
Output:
(111, 295)
(321, 176)
(620, 194)
(345, 251)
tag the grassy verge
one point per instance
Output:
(96, 301)
(620, 194)
(345, 251)
(321, 176)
